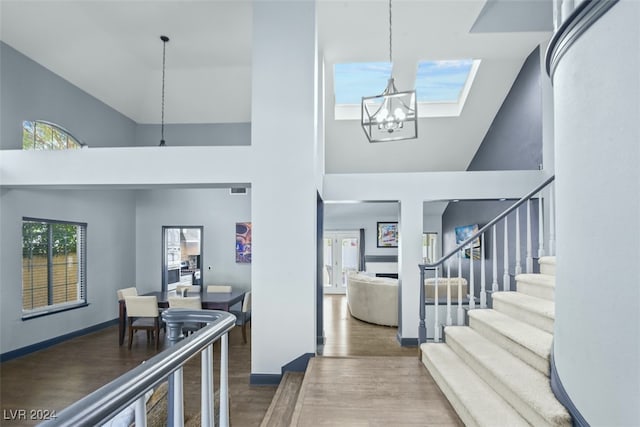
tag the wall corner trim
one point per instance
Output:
(406, 342)
(563, 397)
(299, 364)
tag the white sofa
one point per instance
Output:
(373, 299)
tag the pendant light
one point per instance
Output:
(392, 115)
(164, 39)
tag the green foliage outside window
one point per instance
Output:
(36, 235)
(38, 135)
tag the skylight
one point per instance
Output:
(442, 81)
(441, 86)
(353, 81)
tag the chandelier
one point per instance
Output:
(392, 115)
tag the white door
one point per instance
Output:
(341, 253)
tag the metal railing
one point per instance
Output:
(467, 244)
(108, 401)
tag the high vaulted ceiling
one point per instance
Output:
(112, 50)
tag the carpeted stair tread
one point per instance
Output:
(547, 265)
(537, 285)
(527, 342)
(474, 400)
(535, 311)
(524, 387)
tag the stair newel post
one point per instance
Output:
(472, 289)
(483, 284)
(518, 267)
(552, 220)
(436, 326)
(449, 318)
(460, 311)
(422, 329)
(494, 283)
(540, 227)
(506, 282)
(529, 260)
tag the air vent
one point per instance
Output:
(237, 191)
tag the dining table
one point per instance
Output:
(210, 301)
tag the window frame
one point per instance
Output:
(81, 253)
(70, 138)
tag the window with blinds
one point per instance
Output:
(53, 266)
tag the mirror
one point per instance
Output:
(181, 256)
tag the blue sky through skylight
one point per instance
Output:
(353, 81)
(442, 81)
(436, 81)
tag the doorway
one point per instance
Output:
(181, 256)
(341, 251)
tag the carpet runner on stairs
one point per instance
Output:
(495, 372)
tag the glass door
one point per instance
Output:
(341, 252)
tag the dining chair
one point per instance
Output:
(219, 288)
(244, 315)
(181, 289)
(126, 292)
(194, 303)
(142, 312)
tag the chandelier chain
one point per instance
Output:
(164, 48)
(390, 37)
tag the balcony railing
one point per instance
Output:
(109, 400)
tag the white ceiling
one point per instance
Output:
(111, 49)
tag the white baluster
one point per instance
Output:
(436, 327)
(506, 281)
(141, 412)
(483, 285)
(472, 290)
(494, 283)
(206, 394)
(224, 380)
(518, 267)
(449, 318)
(540, 228)
(460, 311)
(552, 220)
(178, 398)
(529, 261)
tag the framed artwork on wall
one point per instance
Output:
(462, 234)
(387, 235)
(243, 242)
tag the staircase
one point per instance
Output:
(495, 371)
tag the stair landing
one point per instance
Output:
(371, 391)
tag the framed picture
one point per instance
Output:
(243, 242)
(387, 234)
(462, 234)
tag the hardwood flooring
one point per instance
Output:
(53, 378)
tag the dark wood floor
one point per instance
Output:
(53, 378)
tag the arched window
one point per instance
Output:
(40, 135)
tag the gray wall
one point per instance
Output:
(194, 134)
(31, 92)
(513, 142)
(481, 212)
(111, 259)
(214, 209)
(514, 139)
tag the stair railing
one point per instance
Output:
(470, 246)
(108, 401)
